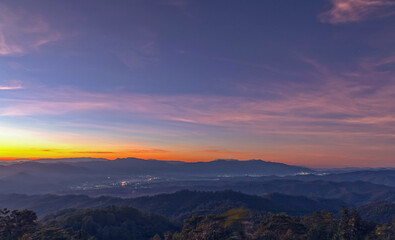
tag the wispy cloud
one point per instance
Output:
(344, 11)
(154, 150)
(21, 32)
(94, 152)
(123, 152)
(356, 102)
(11, 85)
(219, 151)
(39, 107)
(141, 50)
(337, 106)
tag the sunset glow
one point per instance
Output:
(183, 80)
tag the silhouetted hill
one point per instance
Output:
(34, 177)
(69, 160)
(112, 223)
(34, 168)
(183, 204)
(355, 193)
(49, 175)
(380, 212)
(157, 167)
(213, 168)
(352, 192)
(179, 205)
(132, 177)
(383, 177)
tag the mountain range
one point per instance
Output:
(184, 204)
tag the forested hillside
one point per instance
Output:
(125, 223)
(179, 205)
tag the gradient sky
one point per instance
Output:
(301, 82)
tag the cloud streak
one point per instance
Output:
(337, 106)
(20, 32)
(10, 87)
(345, 106)
(344, 11)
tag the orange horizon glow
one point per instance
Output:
(17, 143)
(195, 157)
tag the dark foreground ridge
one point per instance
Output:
(126, 223)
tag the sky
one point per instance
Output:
(300, 82)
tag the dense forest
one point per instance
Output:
(184, 204)
(322, 225)
(108, 223)
(126, 223)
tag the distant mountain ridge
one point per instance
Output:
(69, 160)
(141, 166)
(253, 176)
(384, 177)
(62, 175)
(211, 168)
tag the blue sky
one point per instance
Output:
(301, 82)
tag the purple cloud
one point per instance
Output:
(11, 85)
(344, 11)
(21, 32)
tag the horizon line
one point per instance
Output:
(4, 159)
